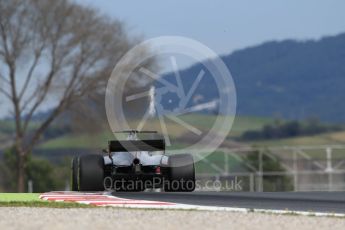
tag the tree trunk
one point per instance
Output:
(21, 171)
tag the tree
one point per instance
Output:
(44, 175)
(52, 52)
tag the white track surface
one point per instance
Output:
(142, 219)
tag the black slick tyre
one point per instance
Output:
(180, 174)
(74, 174)
(91, 173)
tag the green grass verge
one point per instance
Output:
(44, 204)
(20, 197)
(33, 200)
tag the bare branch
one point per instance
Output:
(30, 72)
(56, 112)
(4, 43)
(29, 100)
(40, 98)
(2, 78)
(8, 95)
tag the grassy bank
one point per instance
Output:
(33, 200)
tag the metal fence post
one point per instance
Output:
(226, 166)
(251, 182)
(295, 168)
(260, 172)
(30, 186)
(329, 168)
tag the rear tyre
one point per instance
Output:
(180, 174)
(91, 173)
(74, 174)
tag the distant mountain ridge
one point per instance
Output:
(288, 79)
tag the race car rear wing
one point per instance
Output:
(136, 145)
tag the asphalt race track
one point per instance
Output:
(330, 202)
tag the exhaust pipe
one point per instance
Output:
(136, 161)
(136, 165)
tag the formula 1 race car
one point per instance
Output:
(134, 163)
